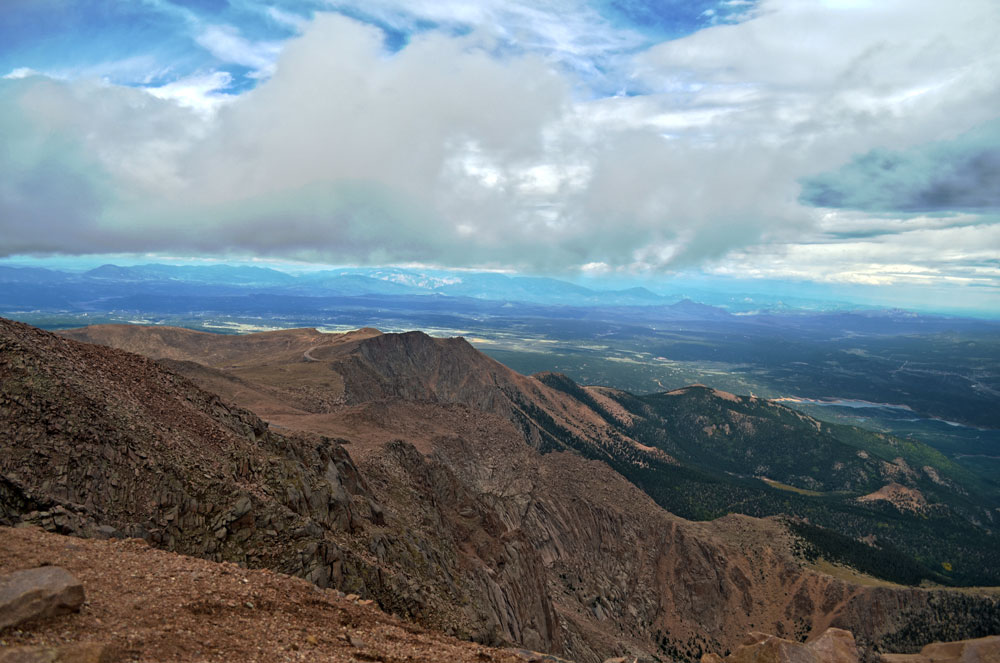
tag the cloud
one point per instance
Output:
(21, 72)
(227, 44)
(572, 34)
(961, 174)
(49, 184)
(929, 268)
(204, 92)
(451, 150)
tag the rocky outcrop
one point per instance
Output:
(106, 443)
(980, 650)
(103, 443)
(833, 646)
(29, 594)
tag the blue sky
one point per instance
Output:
(837, 142)
(150, 43)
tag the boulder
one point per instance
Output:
(43, 592)
(835, 645)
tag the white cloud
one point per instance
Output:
(226, 44)
(298, 23)
(21, 72)
(457, 153)
(571, 33)
(203, 93)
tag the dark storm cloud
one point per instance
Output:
(962, 174)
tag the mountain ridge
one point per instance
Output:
(456, 521)
(689, 448)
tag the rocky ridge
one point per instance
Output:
(440, 512)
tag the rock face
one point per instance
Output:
(29, 594)
(444, 510)
(980, 650)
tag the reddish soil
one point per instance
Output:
(151, 605)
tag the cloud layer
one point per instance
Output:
(961, 174)
(490, 140)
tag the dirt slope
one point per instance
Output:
(151, 605)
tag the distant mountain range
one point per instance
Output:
(235, 279)
(339, 282)
(113, 287)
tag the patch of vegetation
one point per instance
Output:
(884, 561)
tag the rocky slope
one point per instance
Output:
(699, 452)
(145, 604)
(440, 512)
(303, 374)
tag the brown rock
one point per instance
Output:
(773, 650)
(755, 637)
(835, 645)
(43, 592)
(980, 650)
(709, 658)
(82, 652)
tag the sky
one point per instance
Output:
(839, 142)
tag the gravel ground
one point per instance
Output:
(151, 605)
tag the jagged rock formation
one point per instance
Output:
(441, 512)
(102, 442)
